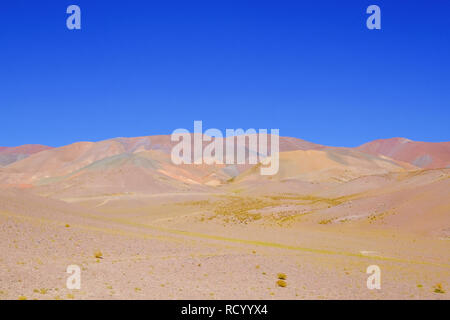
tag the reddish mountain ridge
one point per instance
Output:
(10, 155)
(144, 164)
(427, 155)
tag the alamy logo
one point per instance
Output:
(374, 280)
(234, 145)
(74, 20)
(74, 280)
(374, 20)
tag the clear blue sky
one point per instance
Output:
(310, 68)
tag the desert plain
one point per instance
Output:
(140, 227)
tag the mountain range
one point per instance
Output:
(143, 164)
(142, 227)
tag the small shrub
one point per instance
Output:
(22, 298)
(438, 288)
(282, 276)
(98, 255)
(281, 283)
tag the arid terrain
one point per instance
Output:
(141, 227)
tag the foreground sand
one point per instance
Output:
(182, 246)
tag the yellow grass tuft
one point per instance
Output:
(282, 276)
(22, 298)
(438, 288)
(325, 221)
(281, 283)
(98, 254)
(41, 291)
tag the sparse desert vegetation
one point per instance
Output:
(438, 288)
(282, 276)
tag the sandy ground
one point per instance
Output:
(174, 246)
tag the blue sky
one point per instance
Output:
(310, 68)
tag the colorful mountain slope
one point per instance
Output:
(10, 155)
(421, 154)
